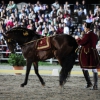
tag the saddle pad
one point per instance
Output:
(43, 44)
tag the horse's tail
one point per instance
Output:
(68, 63)
(71, 58)
(71, 62)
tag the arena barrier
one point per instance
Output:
(48, 60)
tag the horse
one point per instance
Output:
(62, 47)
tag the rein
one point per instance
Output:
(33, 41)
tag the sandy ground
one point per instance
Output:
(73, 90)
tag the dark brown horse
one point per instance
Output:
(38, 48)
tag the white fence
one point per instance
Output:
(48, 60)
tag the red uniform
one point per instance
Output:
(88, 55)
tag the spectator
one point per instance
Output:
(12, 16)
(59, 29)
(24, 8)
(55, 21)
(62, 21)
(36, 8)
(3, 14)
(44, 24)
(45, 32)
(53, 12)
(16, 23)
(23, 22)
(22, 14)
(84, 7)
(66, 29)
(51, 29)
(10, 23)
(80, 12)
(68, 21)
(76, 7)
(67, 7)
(97, 29)
(32, 16)
(96, 9)
(66, 14)
(14, 6)
(47, 10)
(78, 32)
(91, 15)
(88, 19)
(29, 26)
(16, 13)
(11, 6)
(2, 5)
(56, 4)
(36, 25)
(39, 29)
(61, 10)
(29, 6)
(41, 20)
(38, 3)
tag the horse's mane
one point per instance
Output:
(22, 31)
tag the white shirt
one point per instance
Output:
(66, 30)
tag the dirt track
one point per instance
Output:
(73, 90)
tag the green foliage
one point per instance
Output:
(16, 60)
(44, 63)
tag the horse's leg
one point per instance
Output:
(37, 73)
(67, 65)
(28, 67)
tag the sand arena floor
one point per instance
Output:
(73, 90)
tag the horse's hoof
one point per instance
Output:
(43, 84)
(22, 85)
(61, 89)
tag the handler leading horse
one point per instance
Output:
(62, 47)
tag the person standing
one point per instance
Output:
(88, 55)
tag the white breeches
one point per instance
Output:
(93, 70)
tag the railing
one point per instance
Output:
(48, 60)
(4, 52)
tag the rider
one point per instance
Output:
(88, 55)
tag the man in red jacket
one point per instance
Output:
(88, 55)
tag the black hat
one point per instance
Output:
(88, 25)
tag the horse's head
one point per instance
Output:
(11, 43)
(19, 35)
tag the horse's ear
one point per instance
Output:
(25, 33)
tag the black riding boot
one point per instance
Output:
(95, 78)
(87, 78)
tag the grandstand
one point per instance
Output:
(21, 15)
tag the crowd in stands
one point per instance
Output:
(49, 20)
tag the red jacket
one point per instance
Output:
(88, 55)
